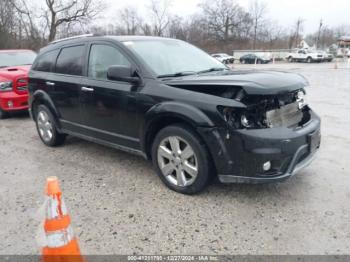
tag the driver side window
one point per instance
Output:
(101, 58)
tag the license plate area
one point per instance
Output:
(314, 141)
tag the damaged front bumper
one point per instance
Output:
(239, 155)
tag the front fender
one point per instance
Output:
(162, 112)
(188, 113)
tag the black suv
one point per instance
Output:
(175, 105)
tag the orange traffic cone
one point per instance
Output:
(61, 245)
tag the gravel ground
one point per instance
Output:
(119, 206)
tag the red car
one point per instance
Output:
(14, 68)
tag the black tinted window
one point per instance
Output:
(70, 61)
(102, 57)
(46, 62)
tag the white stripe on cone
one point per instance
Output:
(59, 238)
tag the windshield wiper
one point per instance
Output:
(178, 74)
(213, 69)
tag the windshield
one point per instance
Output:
(16, 58)
(171, 57)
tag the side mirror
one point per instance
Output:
(123, 74)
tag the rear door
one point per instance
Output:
(65, 85)
(109, 107)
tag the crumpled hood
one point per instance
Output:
(253, 82)
(14, 72)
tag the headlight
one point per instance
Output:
(5, 86)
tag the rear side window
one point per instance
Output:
(70, 61)
(46, 62)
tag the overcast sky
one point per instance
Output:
(333, 12)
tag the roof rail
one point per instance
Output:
(70, 38)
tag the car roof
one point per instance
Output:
(126, 38)
(81, 39)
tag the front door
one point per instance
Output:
(109, 107)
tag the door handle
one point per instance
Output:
(87, 89)
(50, 83)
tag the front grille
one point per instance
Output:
(288, 116)
(22, 85)
(22, 88)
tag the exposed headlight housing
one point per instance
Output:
(245, 121)
(301, 99)
(238, 118)
(5, 86)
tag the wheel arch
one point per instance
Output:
(160, 116)
(42, 98)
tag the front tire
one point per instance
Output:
(47, 128)
(181, 160)
(309, 60)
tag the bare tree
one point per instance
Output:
(224, 17)
(275, 36)
(342, 30)
(257, 11)
(178, 28)
(49, 15)
(146, 29)
(7, 23)
(28, 22)
(130, 20)
(219, 25)
(60, 12)
(161, 16)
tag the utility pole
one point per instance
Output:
(319, 33)
(299, 25)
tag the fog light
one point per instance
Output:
(267, 166)
(10, 104)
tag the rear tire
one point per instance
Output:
(181, 160)
(309, 60)
(47, 128)
(3, 114)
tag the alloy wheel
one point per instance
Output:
(177, 161)
(45, 126)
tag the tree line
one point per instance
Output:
(218, 26)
